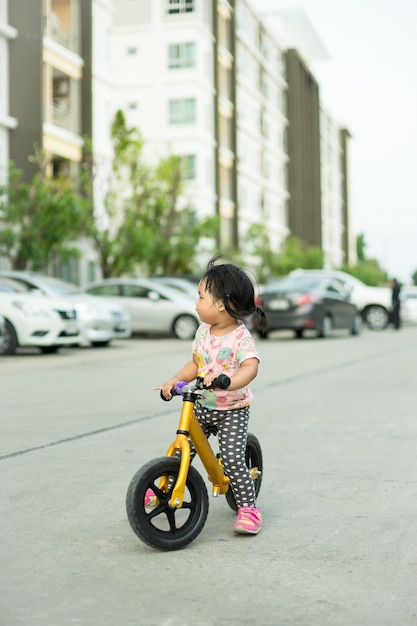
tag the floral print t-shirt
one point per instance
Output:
(223, 355)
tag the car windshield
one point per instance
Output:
(10, 285)
(302, 283)
(59, 286)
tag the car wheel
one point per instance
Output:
(185, 326)
(376, 317)
(9, 343)
(263, 334)
(99, 344)
(357, 325)
(326, 326)
(299, 333)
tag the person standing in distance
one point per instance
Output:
(224, 345)
(396, 303)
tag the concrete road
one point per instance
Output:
(337, 419)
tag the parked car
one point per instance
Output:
(374, 303)
(408, 311)
(100, 321)
(184, 286)
(44, 323)
(301, 303)
(2, 333)
(153, 308)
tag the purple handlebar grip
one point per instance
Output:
(180, 386)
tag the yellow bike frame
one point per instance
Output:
(189, 427)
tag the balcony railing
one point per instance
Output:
(63, 36)
(61, 116)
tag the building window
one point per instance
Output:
(132, 50)
(188, 166)
(132, 106)
(182, 111)
(181, 55)
(181, 6)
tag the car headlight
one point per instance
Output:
(86, 309)
(31, 310)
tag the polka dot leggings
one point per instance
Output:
(232, 428)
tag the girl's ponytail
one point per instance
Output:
(260, 319)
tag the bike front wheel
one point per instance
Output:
(162, 526)
(255, 467)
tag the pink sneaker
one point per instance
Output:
(150, 500)
(249, 521)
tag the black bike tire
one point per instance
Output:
(253, 459)
(141, 521)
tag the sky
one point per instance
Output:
(369, 85)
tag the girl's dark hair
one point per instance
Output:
(229, 283)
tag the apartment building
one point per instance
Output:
(163, 77)
(209, 81)
(318, 184)
(206, 81)
(7, 121)
(48, 69)
(51, 88)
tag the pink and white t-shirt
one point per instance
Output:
(223, 355)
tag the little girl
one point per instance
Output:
(224, 345)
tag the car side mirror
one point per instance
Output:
(153, 296)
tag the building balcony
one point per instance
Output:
(62, 116)
(58, 33)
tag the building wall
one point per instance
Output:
(261, 127)
(332, 217)
(7, 121)
(145, 87)
(26, 83)
(304, 184)
(349, 238)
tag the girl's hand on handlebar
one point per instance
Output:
(167, 387)
(208, 379)
(221, 381)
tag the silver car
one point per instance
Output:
(153, 308)
(99, 321)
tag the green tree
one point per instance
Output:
(142, 223)
(414, 278)
(367, 270)
(297, 254)
(360, 248)
(42, 219)
(116, 233)
(257, 248)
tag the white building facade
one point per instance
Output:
(261, 126)
(162, 69)
(7, 122)
(331, 191)
(206, 82)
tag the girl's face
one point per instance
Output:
(207, 308)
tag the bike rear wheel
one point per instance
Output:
(255, 465)
(161, 526)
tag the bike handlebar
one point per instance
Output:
(221, 382)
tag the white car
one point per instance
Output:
(39, 323)
(373, 303)
(153, 308)
(100, 321)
